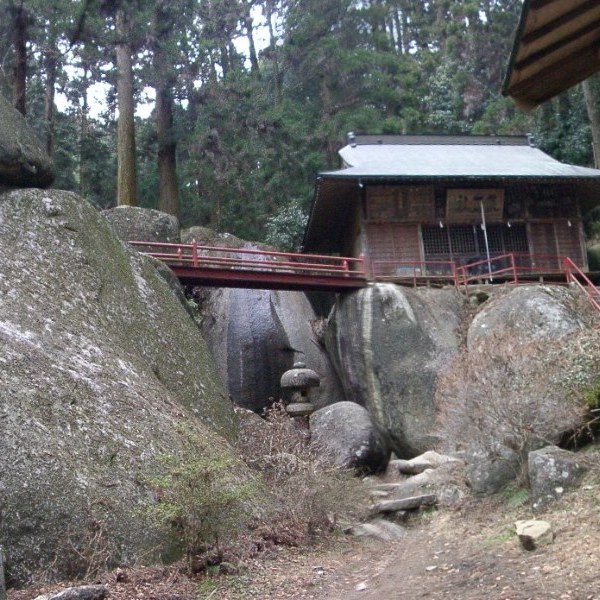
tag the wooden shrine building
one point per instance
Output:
(402, 201)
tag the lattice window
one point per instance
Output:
(462, 239)
(435, 241)
(515, 239)
(503, 239)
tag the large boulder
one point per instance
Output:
(133, 223)
(389, 346)
(552, 471)
(23, 160)
(102, 375)
(525, 314)
(257, 335)
(520, 382)
(345, 433)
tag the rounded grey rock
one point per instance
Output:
(345, 432)
(24, 162)
(133, 223)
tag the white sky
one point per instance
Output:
(97, 92)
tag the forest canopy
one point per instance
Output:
(251, 98)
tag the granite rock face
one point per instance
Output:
(102, 373)
(23, 160)
(525, 314)
(256, 336)
(511, 389)
(133, 223)
(552, 471)
(389, 345)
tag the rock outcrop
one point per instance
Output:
(389, 345)
(102, 373)
(514, 388)
(254, 335)
(525, 314)
(23, 160)
(133, 223)
(552, 471)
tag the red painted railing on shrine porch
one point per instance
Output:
(577, 277)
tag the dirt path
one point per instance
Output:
(471, 554)
(475, 556)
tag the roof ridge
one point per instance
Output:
(439, 140)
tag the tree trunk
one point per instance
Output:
(168, 188)
(591, 92)
(50, 63)
(167, 153)
(249, 24)
(20, 47)
(269, 10)
(83, 130)
(126, 165)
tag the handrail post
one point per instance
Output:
(514, 269)
(567, 269)
(345, 267)
(194, 252)
(455, 274)
(363, 266)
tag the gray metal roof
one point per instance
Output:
(438, 160)
(453, 160)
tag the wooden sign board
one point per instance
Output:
(464, 206)
(390, 203)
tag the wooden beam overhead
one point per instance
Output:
(564, 19)
(557, 45)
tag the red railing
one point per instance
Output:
(301, 270)
(244, 259)
(511, 268)
(415, 270)
(576, 276)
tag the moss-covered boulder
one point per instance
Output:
(23, 160)
(133, 223)
(389, 345)
(102, 374)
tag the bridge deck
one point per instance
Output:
(262, 269)
(258, 269)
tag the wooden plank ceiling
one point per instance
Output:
(556, 46)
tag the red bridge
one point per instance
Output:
(262, 269)
(259, 269)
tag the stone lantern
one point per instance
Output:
(298, 382)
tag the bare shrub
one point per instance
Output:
(202, 497)
(510, 395)
(308, 495)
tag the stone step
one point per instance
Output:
(388, 506)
